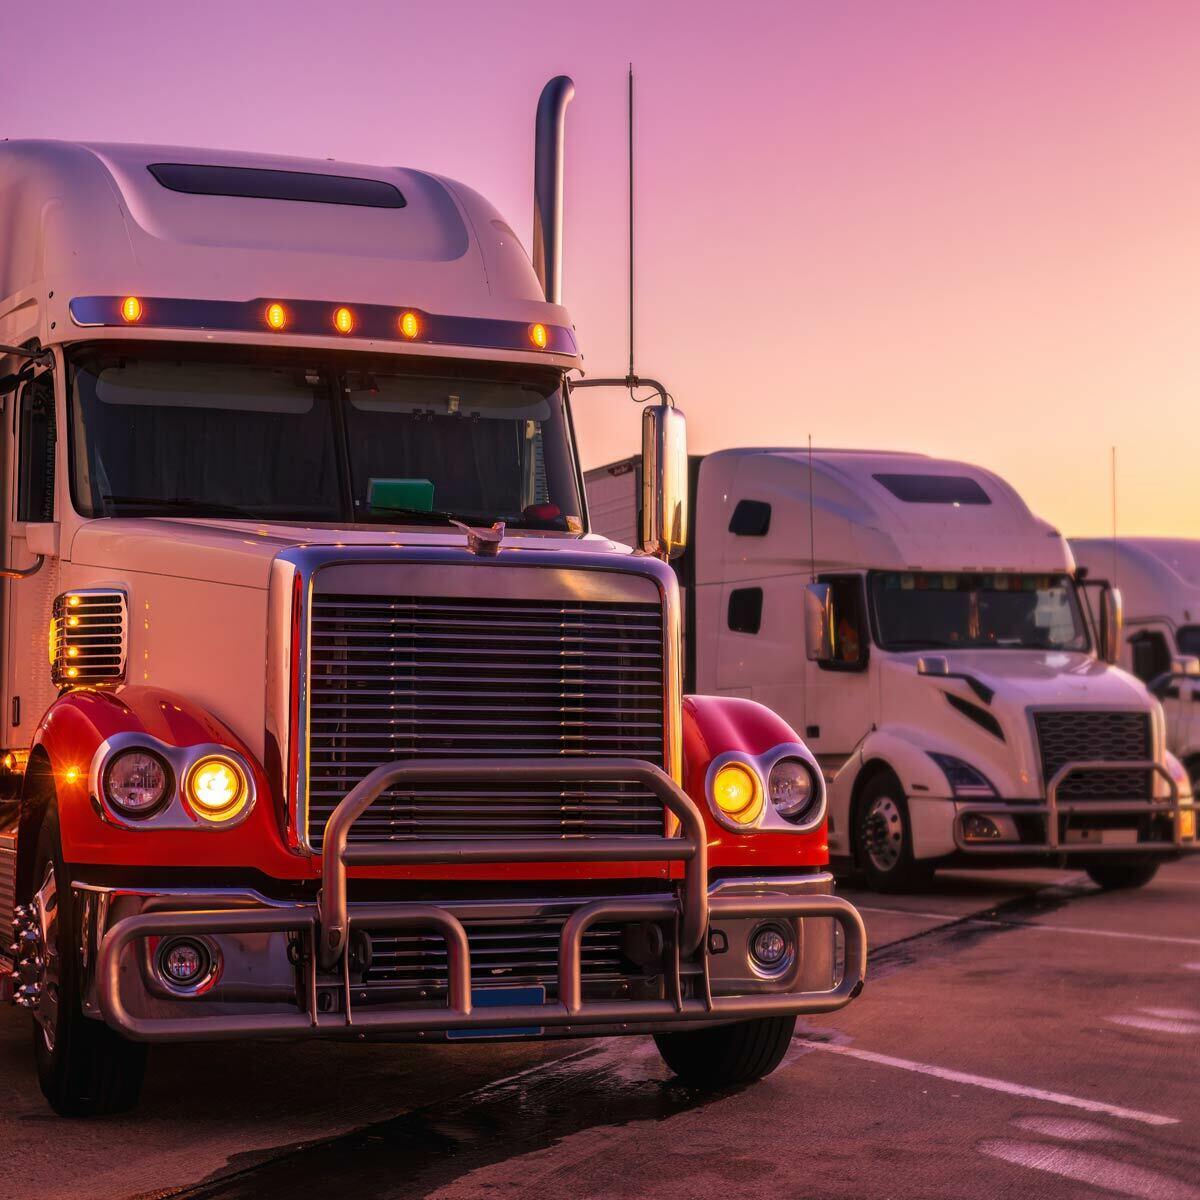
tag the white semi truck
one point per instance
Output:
(928, 635)
(1159, 579)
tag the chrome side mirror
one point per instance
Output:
(1186, 666)
(664, 481)
(818, 622)
(1112, 622)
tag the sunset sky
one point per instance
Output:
(964, 227)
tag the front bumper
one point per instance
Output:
(1082, 827)
(319, 990)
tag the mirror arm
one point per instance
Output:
(628, 381)
(23, 572)
(44, 358)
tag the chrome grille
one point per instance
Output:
(502, 953)
(394, 677)
(1080, 736)
(88, 637)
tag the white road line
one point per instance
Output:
(1191, 966)
(997, 1085)
(951, 918)
(1157, 1025)
(1083, 1166)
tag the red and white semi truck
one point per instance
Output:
(323, 713)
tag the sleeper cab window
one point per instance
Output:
(745, 610)
(751, 518)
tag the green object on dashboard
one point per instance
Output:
(400, 493)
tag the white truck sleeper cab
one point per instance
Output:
(964, 708)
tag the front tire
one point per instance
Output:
(1112, 877)
(883, 839)
(84, 1068)
(727, 1055)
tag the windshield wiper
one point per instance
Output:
(924, 644)
(438, 514)
(204, 508)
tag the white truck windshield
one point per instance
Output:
(934, 610)
(298, 437)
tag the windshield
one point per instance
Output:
(299, 437)
(933, 610)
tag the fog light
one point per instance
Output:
(771, 948)
(184, 963)
(980, 829)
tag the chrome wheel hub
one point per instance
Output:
(883, 833)
(35, 952)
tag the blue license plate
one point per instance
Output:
(501, 998)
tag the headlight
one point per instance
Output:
(964, 780)
(136, 782)
(217, 788)
(737, 794)
(794, 790)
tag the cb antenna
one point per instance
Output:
(632, 372)
(812, 521)
(1113, 485)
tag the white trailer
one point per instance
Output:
(1159, 579)
(958, 683)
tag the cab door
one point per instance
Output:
(840, 689)
(30, 473)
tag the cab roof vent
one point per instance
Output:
(259, 183)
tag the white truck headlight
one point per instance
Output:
(137, 782)
(794, 791)
(964, 779)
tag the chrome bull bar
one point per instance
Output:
(325, 927)
(1173, 807)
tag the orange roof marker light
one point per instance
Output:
(277, 316)
(410, 325)
(538, 335)
(343, 320)
(131, 310)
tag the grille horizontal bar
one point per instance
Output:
(394, 677)
(1073, 736)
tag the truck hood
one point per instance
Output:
(1043, 677)
(241, 552)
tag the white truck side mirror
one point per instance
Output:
(818, 622)
(1112, 621)
(1186, 666)
(664, 481)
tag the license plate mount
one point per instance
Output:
(501, 998)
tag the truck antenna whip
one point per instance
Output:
(1114, 516)
(812, 521)
(632, 373)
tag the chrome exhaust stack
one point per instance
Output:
(548, 184)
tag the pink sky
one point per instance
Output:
(954, 226)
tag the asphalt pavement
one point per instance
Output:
(1021, 1035)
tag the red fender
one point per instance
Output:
(75, 727)
(711, 726)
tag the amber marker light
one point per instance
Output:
(131, 309)
(539, 336)
(343, 320)
(737, 794)
(410, 325)
(74, 601)
(277, 316)
(217, 789)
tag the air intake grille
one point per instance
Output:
(394, 677)
(1071, 737)
(502, 953)
(88, 637)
